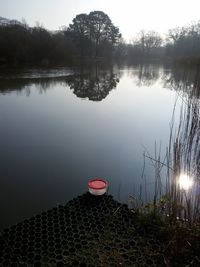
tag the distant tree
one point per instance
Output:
(14, 41)
(146, 45)
(88, 35)
(62, 48)
(148, 41)
(79, 31)
(121, 51)
(40, 45)
(21, 44)
(94, 32)
(102, 30)
(184, 43)
(176, 34)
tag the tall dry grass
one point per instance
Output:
(182, 157)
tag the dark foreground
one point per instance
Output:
(98, 231)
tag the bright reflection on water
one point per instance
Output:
(57, 130)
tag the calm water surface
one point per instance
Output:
(59, 128)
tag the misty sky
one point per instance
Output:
(129, 15)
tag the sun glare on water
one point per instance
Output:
(185, 182)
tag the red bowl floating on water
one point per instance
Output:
(97, 186)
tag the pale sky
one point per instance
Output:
(129, 15)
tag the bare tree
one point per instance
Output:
(148, 41)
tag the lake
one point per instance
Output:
(61, 127)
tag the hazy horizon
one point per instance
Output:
(130, 16)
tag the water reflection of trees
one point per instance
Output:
(145, 74)
(94, 85)
(186, 80)
(21, 85)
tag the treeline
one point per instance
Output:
(184, 43)
(89, 36)
(180, 45)
(93, 37)
(147, 45)
(21, 44)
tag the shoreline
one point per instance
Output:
(99, 231)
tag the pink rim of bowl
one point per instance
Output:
(97, 186)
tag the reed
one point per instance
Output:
(177, 175)
(183, 156)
